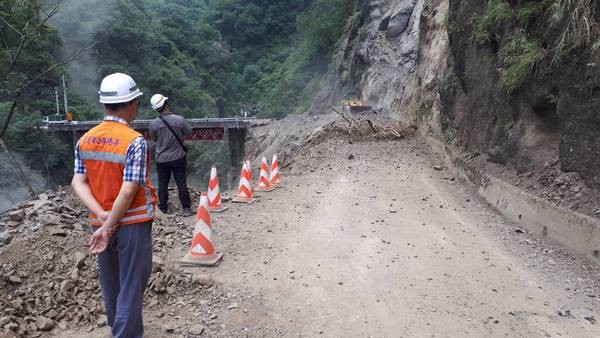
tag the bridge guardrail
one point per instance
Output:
(209, 122)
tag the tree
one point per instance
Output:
(29, 50)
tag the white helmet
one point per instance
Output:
(158, 101)
(118, 88)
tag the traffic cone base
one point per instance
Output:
(190, 260)
(271, 188)
(219, 210)
(239, 199)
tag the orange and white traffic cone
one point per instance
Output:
(214, 194)
(202, 251)
(245, 190)
(275, 177)
(264, 183)
(254, 193)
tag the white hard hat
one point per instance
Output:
(158, 101)
(118, 88)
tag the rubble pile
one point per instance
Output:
(48, 281)
(561, 188)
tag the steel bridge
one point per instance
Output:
(206, 129)
(231, 129)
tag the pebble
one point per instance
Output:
(75, 275)
(58, 232)
(80, 260)
(17, 215)
(15, 279)
(45, 324)
(49, 219)
(204, 281)
(101, 322)
(5, 237)
(4, 320)
(197, 330)
(11, 326)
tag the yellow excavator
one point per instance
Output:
(352, 103)
(354, 106)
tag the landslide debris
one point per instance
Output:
(49, 282)
(367, 127)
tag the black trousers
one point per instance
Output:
(164, 170)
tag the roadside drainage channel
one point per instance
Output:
(573, 231)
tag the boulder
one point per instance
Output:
(45, 324)
(16, 215)
(197, 330)
(399, 21)
(49, 219)
(80, 260)
(5, 237)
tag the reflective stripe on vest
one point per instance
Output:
(148, 212)
(102, 156)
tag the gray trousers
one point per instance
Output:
(125, 268)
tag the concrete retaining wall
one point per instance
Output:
(575, 232)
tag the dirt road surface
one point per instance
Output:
(383, 245)
(370, 240)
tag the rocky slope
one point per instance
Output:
(49, 282)
(484, 77)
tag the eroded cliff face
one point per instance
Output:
(417, 60)
(378, 55)
(554, 113)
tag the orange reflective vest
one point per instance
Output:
(103, 150)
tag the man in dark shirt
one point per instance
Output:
(169, 131)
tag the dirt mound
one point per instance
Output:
(364, 130)
(284, 137)
(368, 128)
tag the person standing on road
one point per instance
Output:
(169, 130)
(112, 179)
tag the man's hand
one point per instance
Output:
(99, 240)
(82, 188)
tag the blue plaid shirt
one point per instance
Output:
(135, 162)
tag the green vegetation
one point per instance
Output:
(30, 48)
(494, 14)
(532, 35)
(281, 74)
(574, 24)
(449, 131)
(423, 111)
(518, 57)
(208, 56)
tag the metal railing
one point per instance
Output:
(208, 122)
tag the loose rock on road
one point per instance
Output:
(385, 243)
